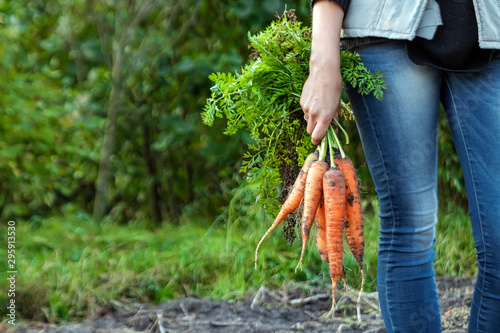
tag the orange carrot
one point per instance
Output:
(321, 231)
(321, 241)
(334, 194)
(354, 213)
(354, 218)
(293, 200)
(312, 196)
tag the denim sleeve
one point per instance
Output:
(342, 3)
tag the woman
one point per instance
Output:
(429, 52)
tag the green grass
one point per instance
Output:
(68, 266)
(455, 252)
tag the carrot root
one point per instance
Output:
(321, 244)
(293, 201)
(312, 197)
(331, 313)
(334, 194)
(354, 214)
(344, 278)
(358, 307)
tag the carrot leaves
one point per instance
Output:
(263, 99)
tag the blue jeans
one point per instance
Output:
(399, 137)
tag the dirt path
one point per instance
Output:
(295, 308)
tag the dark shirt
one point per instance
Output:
(455, 45)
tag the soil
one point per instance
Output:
(296, 307)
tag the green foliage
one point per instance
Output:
(356, 74)
(264, 99)
(455, 252)
(451, 183)
(45, 142)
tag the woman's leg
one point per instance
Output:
(472, 104)
(399, 136)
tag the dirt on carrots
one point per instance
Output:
(295, 307)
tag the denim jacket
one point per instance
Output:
(405, 19)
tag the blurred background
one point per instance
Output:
(118, 191)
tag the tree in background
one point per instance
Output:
(128, 16)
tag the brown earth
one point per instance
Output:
(296, 307)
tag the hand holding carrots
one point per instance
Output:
(330, 195)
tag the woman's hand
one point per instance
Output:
(322, 90)
(320, 100)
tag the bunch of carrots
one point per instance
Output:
(330, 195)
